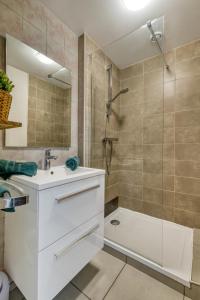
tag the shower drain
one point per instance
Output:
(115, 222)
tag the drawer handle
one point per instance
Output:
(82, 237)
(69, 195)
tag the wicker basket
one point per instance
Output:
(5, 104)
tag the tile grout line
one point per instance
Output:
(114, 281)
(80, 290)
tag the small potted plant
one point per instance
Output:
(6, 86)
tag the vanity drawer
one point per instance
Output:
(60, 262)
(64, 208)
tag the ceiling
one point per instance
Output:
(108, 20)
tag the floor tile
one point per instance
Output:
(98, 276)
(133, 284)
(70, 293)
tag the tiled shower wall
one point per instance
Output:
(155, 168)
(30, 22)
(159, 151)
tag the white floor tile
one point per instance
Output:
(97, 277)
(135, 285)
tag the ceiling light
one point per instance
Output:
(44, 59)
(136, 4)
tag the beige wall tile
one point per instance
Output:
(153, 99)
(152, 166)
(133, 83)
(132, 98)
(16, 5)
(169, 96)
(131, 164)
(168, 199)
(153, 195)
(130, 190)
(35, 13)
(187, 168)
(187, 118)
(112, 192)
(169, 120)
(187, 135)
(187, 152)
(153, 180)
(153, 209)
(169, 135)
(152, 78)
(34, 37)
(55, 39)
(186, 185)
(130, 203)
(188, 51)
(153, 64)
(135, 70)
(188, 93)
(10, 22)
(187, 202)
(153, 152)
(168, 151)
(153, 129)
(169, 167)
(131, 177)
(186, 218)
(188, 68)
(168, 182)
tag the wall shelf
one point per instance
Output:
(9, 124)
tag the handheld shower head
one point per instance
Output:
(109, 103)
(124, 91)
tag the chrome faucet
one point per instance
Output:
(47, 159)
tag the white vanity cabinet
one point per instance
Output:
(48, 241)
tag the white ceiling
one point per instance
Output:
(108, 20)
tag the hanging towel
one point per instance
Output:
(73, 163)
(9, 168)
(3, 191)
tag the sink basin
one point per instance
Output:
(56, 176)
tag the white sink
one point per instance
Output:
(56, 176)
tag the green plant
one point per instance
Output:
(5, 83)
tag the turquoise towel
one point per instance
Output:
(73, 163)
(3, 191)
(9, 168)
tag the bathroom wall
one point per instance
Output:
(160, 137)
(93, 95)
(30, 22)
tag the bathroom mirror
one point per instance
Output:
(41, 98)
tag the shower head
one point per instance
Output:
(124, 91)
